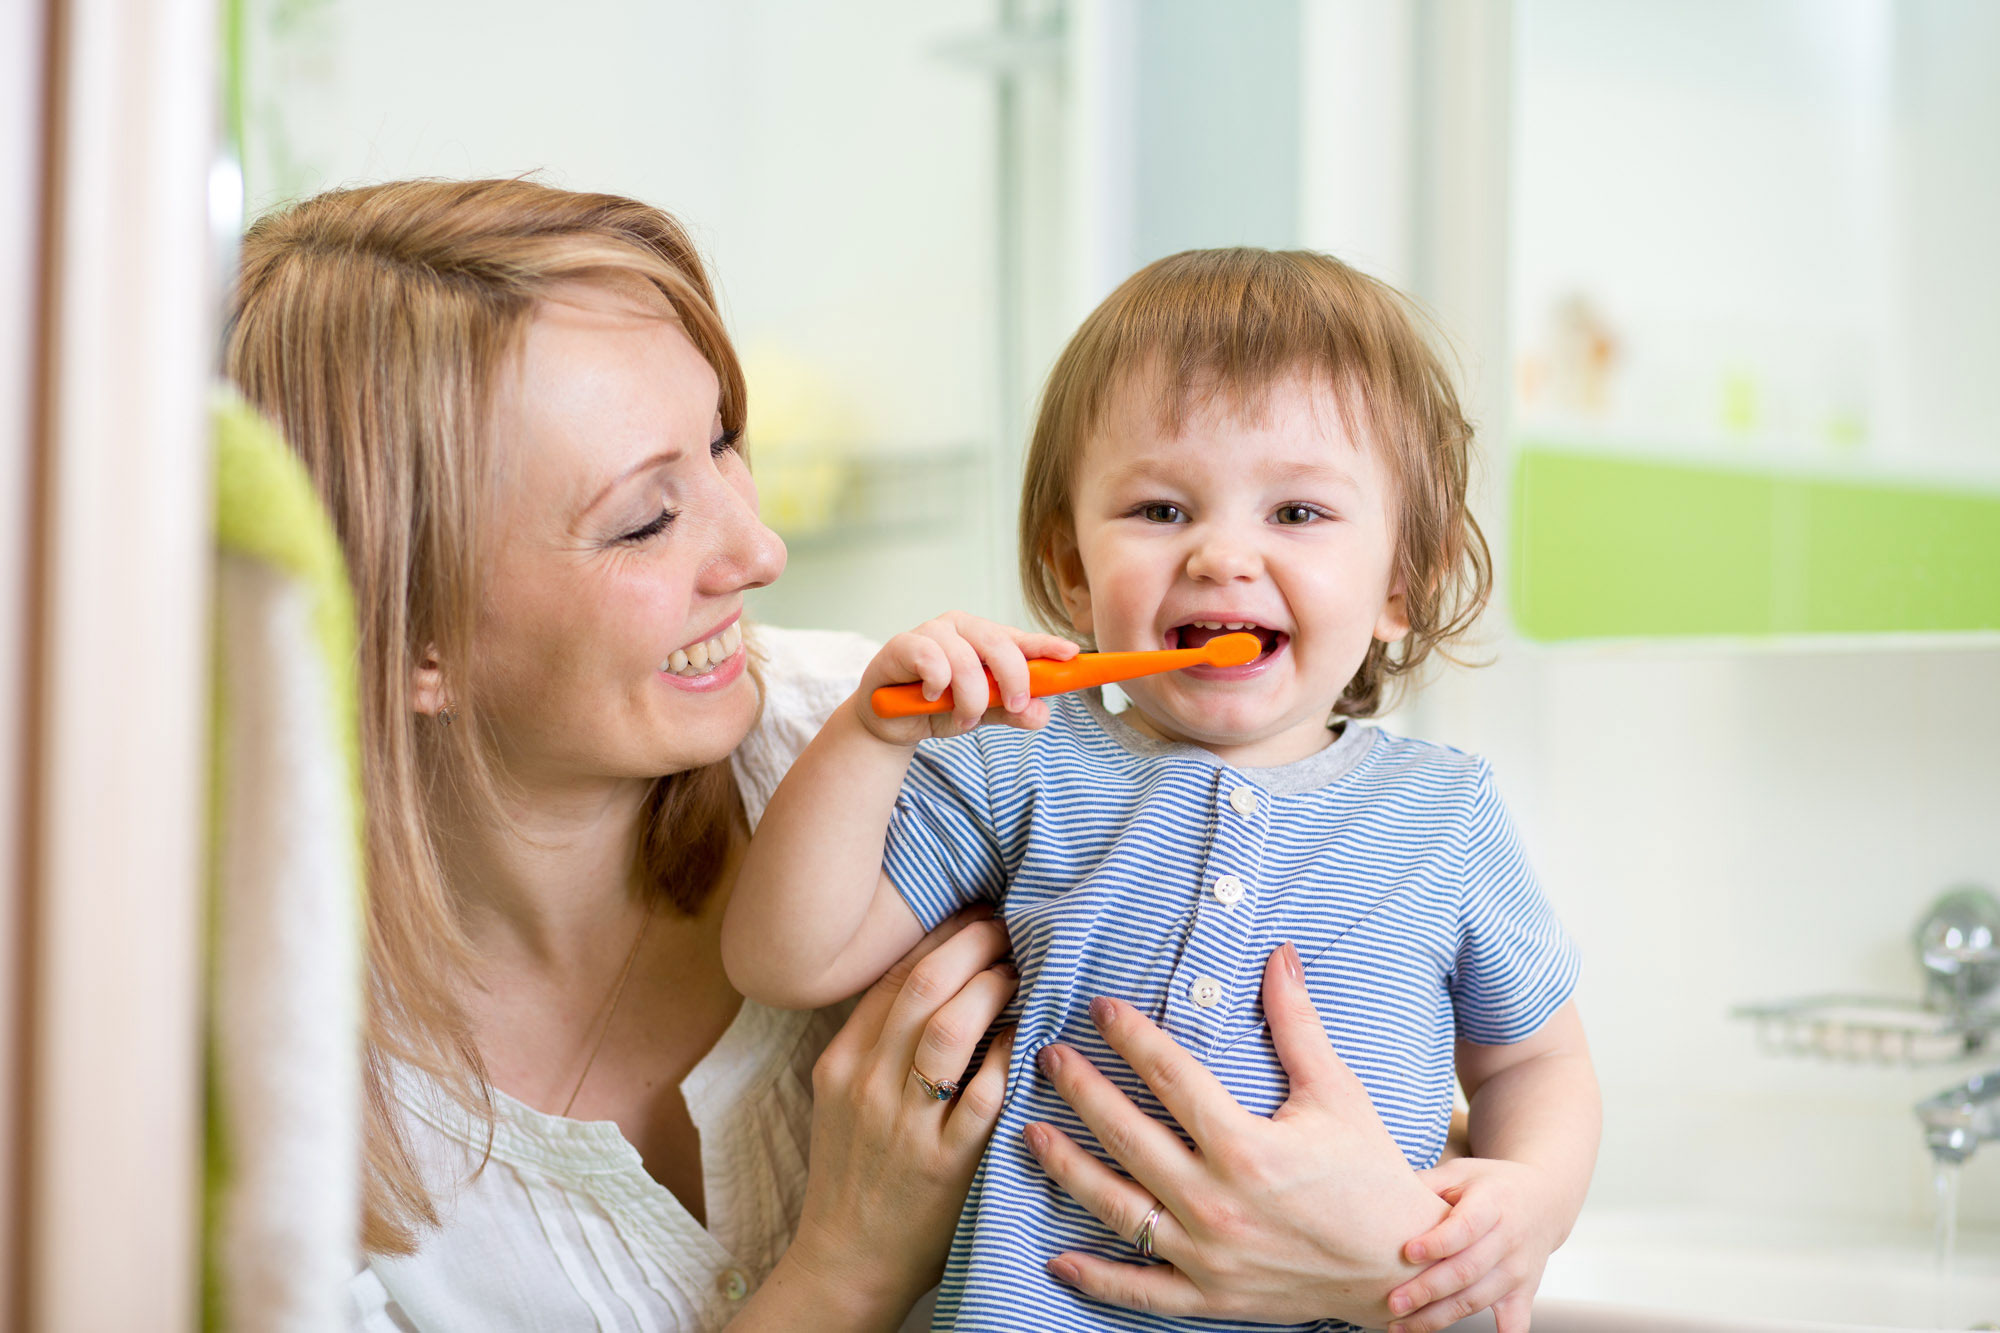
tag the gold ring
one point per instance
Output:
(938, 1090)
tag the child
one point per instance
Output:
(1235, 440)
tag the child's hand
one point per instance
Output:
(948, 653)
(1489, 1251)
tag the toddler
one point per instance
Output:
(1235, 441)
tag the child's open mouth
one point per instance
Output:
(1195, 633)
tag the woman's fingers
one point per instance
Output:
(1318, 1075)
(933, 979)
(1147, 1149)
(977, 1109)
(944, 1052)
(1192, 1095)
(1158, 1288)
(1107, 1196)
(865, 1023)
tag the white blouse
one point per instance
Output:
(562, 1228)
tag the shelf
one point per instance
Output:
(1870, 1029)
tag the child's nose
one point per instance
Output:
(1222, 556)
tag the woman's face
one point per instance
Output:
(624, 536)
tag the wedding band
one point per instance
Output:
(1143, 1242)
(939, 1090)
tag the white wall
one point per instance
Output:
(1721, 825)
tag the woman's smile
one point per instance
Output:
(710, 662)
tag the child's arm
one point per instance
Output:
(1534, 1128)
(812, 918)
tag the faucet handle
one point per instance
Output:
(1958, 943)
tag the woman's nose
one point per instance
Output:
(748, 555)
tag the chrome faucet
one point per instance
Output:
(1959, 1119)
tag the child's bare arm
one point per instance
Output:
(811, 917)
(1533, 1128)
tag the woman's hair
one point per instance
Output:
(1234, 323)
(370, 325)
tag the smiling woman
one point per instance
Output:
(523, 413)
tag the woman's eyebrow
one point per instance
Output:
(647, 465)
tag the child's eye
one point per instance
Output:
(1294, 514)
(1161, 513)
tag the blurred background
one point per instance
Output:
(1720, 278)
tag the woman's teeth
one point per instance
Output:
(695, 660)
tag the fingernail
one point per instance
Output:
(1416, 1257)
(1049, 1059)
(1399, 1304)
(1295, 969)
(1017, 703)
(1064, 1271)
(1038, 1139)
(1100, 1011)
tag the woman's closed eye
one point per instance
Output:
(647, 531)
(725, 443)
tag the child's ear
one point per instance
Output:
(427, 689)
(1065, 562)
(1394, 622)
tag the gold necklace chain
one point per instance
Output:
(617, 994)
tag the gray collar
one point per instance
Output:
(1322, 768)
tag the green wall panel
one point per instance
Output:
(1613, 547)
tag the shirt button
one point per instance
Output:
(734, 1285)
(1245, 801)
(1228, 890)
(1206, 992)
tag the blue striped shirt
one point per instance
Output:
(1157, 873)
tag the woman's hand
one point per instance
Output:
(1301, 1216)
(1505, 1222)
(954, 652)
(891, 1165)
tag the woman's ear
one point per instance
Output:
(1065, 562)
(427, 689)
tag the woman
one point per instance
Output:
(527, 421)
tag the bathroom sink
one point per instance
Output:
(1679, 1273)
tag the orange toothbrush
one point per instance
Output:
(1046, 675)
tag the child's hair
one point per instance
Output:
(1237, 322)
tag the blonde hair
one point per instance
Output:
(370, 324)
(1235, 322)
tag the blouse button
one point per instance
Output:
(1244, 799)
(1228, 890)
(734, 1285)
(1206, 992)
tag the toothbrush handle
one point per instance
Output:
(1046, 676)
